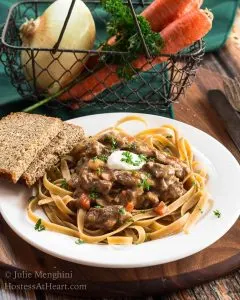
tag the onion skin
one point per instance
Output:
(54, 71)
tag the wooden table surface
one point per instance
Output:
(194, 110)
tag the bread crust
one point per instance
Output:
(61, 145)
(22, 137)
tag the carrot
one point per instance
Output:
(161, 208)
(178, 35)
(160, 13)
(84, 201)
(129, 206)
(94, 84)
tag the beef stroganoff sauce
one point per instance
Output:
(120, 189)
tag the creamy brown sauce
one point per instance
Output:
(109, 191)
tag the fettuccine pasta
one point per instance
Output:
(163, 191)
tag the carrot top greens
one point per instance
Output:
(122, 26)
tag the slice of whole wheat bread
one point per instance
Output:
(62, 144)
(22, 137)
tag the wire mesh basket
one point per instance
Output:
(154, 85)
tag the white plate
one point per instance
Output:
(223, 185)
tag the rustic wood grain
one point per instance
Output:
(220, 258)
(227, 288)
(195, 110)
(7, 294)
(223, 256)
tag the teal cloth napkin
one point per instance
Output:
(224, 12)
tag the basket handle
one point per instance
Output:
(55, 47)
(139, 29)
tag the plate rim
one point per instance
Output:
(129, 264)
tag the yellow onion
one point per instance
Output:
(54, 71)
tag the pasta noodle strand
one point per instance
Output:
(179, 215)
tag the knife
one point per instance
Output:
(227, 113)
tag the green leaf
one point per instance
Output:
(217, 213)
(143, 157)
(93, 195)
(38, 226)
(97, 206)
(122, 211)
(64, 184)
(145, 184)
(122, 25)
(99, 171)
(79, 242)
(101, 157)
(128, 158)
(111, 140)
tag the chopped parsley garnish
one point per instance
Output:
(79, 242)
(121, 24)
(39, 226)
(64, 184)
(101, 157)
(145, 184)
(122, 211)
(112, 141)
(94, 195)
(99, 171)
(142, 157)
(200, 210)
(97, 206)
(128, 158)
(217, 213)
